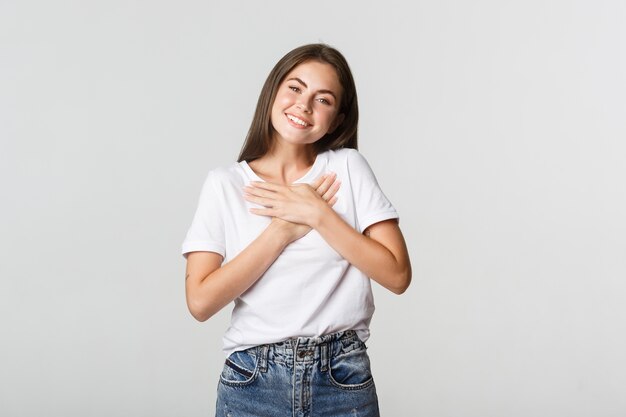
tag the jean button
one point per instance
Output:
(303, 353)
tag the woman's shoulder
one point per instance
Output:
(225, 173)
(350, 157)
(344, 154)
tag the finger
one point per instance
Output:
(318, 181)
(259, 192)
(327, 193)
(262, 211)
(321, 190)
(267, 185)
(266, 202)
(332, 201)
(332, 190)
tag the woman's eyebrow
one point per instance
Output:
(305, 86)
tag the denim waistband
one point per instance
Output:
(309, 349)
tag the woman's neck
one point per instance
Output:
(284, 164)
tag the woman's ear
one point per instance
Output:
(338, 119)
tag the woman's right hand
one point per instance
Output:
(326, 186)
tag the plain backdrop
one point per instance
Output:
(496, 128)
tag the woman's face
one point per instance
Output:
(307, 103)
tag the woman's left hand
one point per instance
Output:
(297, 203)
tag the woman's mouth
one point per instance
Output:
(296, 121)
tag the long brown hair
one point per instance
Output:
(259, 139)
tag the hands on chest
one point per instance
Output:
(297, 208)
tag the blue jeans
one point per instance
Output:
(325, 376)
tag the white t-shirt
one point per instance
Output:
(310, 290)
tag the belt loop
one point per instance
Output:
(263, 358)
(324, 362)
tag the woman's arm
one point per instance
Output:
(380, 252)
(209, 286)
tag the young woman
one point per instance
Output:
(292, 233)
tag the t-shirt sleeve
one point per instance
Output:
(371, 204)
(206, 232)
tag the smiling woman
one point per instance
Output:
(306, 107)
(293, 233)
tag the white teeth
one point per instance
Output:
(295, 119)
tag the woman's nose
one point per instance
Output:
(303, 104)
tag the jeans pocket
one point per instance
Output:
(351, 370)
(240, 368)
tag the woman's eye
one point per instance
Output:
(293, 88)
(324, 101)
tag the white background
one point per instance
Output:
(496, 128)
